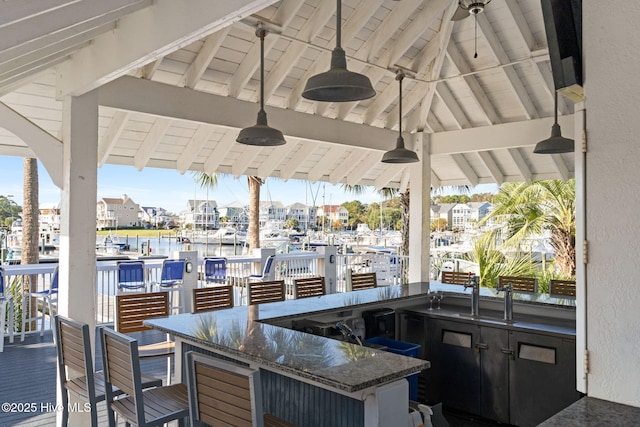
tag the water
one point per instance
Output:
(166, 246)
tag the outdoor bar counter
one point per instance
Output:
(311, 380)
(307, 379)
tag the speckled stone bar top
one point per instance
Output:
(242, 333)
(592, 412)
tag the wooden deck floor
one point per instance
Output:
(28, 378)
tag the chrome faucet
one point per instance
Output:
(508, 301)
(474, 284)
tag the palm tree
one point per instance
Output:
(30, 226)
(533, 208)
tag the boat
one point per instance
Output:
(228, 236)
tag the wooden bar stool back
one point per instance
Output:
(223, 393)
(360, 281)
(562, 288)
(212, 298)
(263, 292)
(308, 287)
(519, 283)
(455, 277)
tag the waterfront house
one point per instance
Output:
(117, 212)
(201, 215)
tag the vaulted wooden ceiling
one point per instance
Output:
(178, 79)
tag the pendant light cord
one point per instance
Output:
(261, 32)
(400, 77)
(555, 107)
(339, 23)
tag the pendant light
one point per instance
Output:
(338, 84)
(400, 154)
(261, 134)
(555, 144)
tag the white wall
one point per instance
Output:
(612, 59)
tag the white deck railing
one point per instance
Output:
(287, 267)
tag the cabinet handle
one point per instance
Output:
(508, 352)
(481, 346)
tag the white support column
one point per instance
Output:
(77, 289)
(581, 281)
(419, 217)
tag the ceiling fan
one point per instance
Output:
(469, 7)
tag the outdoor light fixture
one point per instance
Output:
(400, 154)
(555, 144)
(261, 134)
(474, 7)
(338, 84)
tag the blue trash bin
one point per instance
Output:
(406, 349)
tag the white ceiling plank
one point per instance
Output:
(524, 31)
(75, 41)
(151, 141)
(40, 30)
(316, 22)
(282, 68)
(466, 169)
(381, 102)
(269, 165)
(398, 15)
(355, 176)
(193, 148)
(147, 35)
(452, 105)
(460, 63)
(220, 151)
(419, 24)
(199, 65)
(521, 164)
(249, 153)
(110, 138)
(248, 66)
(520, 91)
(374, 74)
(298, 158)
(390, 172)
(346, 165)
(24, 9)
(492, 166)
(318, 65)
(325, 164)
(497, 137)
(129, 93)
(251, 61)
(47, 148)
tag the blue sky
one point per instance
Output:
(168, 189)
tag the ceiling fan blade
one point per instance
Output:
(459, 14)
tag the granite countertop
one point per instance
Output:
(592, 412)
(242, 332)
(246, 333)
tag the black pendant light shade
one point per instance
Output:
(555, 144)
(338, 84)
(400, 154)
(261, 134)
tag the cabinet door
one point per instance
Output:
(494, 362)
(542, 377)
(413, 329)
(454, 376)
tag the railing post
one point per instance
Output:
(190, 277)
(328, 267)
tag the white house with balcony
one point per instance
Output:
(306, 215)
(334, 213)
(201, 215)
